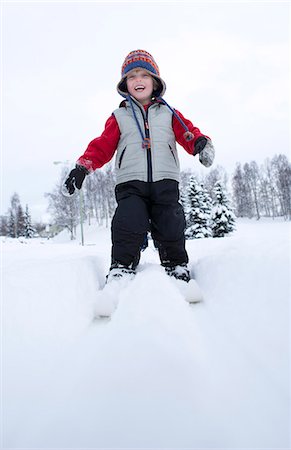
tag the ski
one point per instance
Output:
(191, 291)
(108, 297)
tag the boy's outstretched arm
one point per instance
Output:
(101, 150)
(200, 144)
(98, 153)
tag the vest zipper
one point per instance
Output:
(147, 135)
(148, 149)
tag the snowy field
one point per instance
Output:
(161, 374)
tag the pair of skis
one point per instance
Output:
(108, 296)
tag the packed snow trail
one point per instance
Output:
(161, 373)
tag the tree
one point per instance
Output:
(28, 228)
(65, 210)
(198, 211)
(185, 177)
(282, 175)
(20, 221)
(263, 190)
(241, 194)
(16, 217)
(223, 218)
(3, 226)
(214, 175)
(99, 195)
(251, 174)
(40, 228)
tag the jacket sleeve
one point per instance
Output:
(179, 131)
(101, 149)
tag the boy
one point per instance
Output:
(143, 133)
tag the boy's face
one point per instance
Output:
(140, 85)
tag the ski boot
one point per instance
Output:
(118, 271)
(180, 272)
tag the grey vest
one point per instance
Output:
(133, 162)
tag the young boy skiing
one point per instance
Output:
(142, 133)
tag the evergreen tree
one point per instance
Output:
(184, 184)
(198, 211)
(12, 231)
(223, 218)
(28, 228)
(13, 222)
(3, 226)
(20, 221)
(15, 218)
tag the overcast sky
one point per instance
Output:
(225, 65)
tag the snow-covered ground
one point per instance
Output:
(161, 374)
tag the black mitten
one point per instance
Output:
(75, 179)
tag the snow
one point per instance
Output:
(161, 373)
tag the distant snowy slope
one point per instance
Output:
(161, 373)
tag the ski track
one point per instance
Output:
(160, 373)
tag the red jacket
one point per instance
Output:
(101, 150)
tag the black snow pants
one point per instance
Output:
(143, 207)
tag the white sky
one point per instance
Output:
(225, 64)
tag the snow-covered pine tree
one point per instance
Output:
(28, 228)
(3, 225)
(223, 217)
(197, 211)
(20, 221)
(184, 184)
(15, 225)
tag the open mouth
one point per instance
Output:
(139, 88)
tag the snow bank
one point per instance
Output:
(160, 374)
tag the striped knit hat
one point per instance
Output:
(142, 60)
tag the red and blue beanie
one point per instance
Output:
(140, 59)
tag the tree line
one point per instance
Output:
(96, 201)
(255, 190)
(17, 222)
(263, 190)
(252, 191)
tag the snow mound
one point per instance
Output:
(161, 373)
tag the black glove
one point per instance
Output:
(75, 179)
